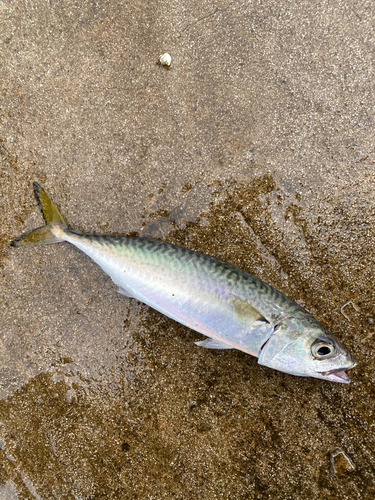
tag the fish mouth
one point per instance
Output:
(338, 375)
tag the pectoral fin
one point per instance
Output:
(213, 344)
(246, 311)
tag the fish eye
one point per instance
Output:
(321, 349)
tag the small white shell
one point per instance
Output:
(165, 59)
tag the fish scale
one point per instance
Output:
(216, 282)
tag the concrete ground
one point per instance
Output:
(257, 146)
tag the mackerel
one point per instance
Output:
(234, 309)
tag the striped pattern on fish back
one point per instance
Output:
(149, 251)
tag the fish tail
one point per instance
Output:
(54, 229)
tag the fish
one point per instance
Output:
(232, 308)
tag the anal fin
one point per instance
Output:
(121, 289)
(213, 344)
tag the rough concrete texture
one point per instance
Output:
(257, 146)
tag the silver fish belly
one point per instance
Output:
(201, 292)
(231, 307)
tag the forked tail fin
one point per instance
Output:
(43, 235)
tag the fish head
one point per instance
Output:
(306, 349)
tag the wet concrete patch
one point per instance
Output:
(125, 415)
